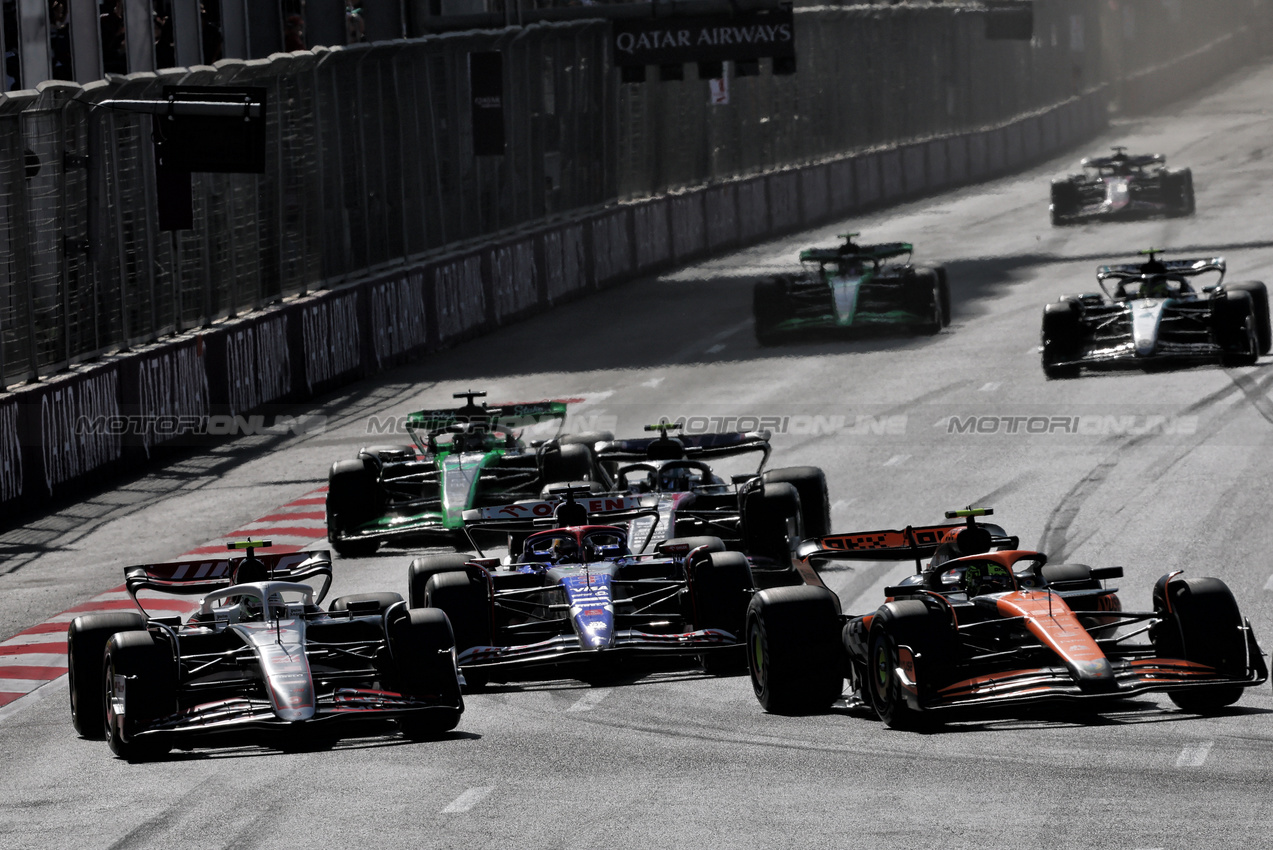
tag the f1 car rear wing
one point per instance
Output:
(686, 446)
(1186, 268)
(502, 416)
(901, 544)
(877, 253)
(575, 507)
(190, 578)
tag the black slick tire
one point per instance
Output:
(794, 654)
(722, 588)
(140, 678)
(1060, 339)
(421, 642)
(1201, 623)
(86, 639)
(354, 496)
(815, 500)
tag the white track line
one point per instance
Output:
(589, 701)
(1194, 755)
(720, 346)
(468, 799)
(1268, 585)
(897, 460)
(990, 387)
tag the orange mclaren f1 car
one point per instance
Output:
(987, 623)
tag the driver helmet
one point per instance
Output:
(1158, 286)
(250, 608)
(981, 577)
(674, 479)
(565, 550)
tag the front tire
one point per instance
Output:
(140, 687)
(794, 655)
(422, 643)
(1060, 339)
(722, 585)
(769, 309)
(1201, 623)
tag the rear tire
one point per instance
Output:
(140, 675)
(1201, 623)
(767, 514)
(815, 500)
(569, 462)
(86, 639)
(354, 497)
(794, 655)
(422, 641)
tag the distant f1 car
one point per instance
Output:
(573, 600)
(988, 624)
(464, 457)
(1151, 314)
(259, 661)
(1122, 185)
(852, 286)
(764, 513)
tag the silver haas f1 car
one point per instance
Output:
(258, 661)
(1154, 314)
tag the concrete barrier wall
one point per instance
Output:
(86, 425)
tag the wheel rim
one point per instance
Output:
(882, 672)
(756, 639)
(110, 698)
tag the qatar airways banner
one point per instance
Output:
(668, 41)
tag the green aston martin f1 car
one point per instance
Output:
(465, 457)
(852, 286)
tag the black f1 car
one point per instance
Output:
(764, 513)
(572, 599)
(1122, 185)
(852, 286)
(988, 624)
(463, 457)
(259, 661)
(1152, 314)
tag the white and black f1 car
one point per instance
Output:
(1152, 313)
(1122, 185)
(987, 624)
(573, 600)
(259, 661)
(764, 513)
